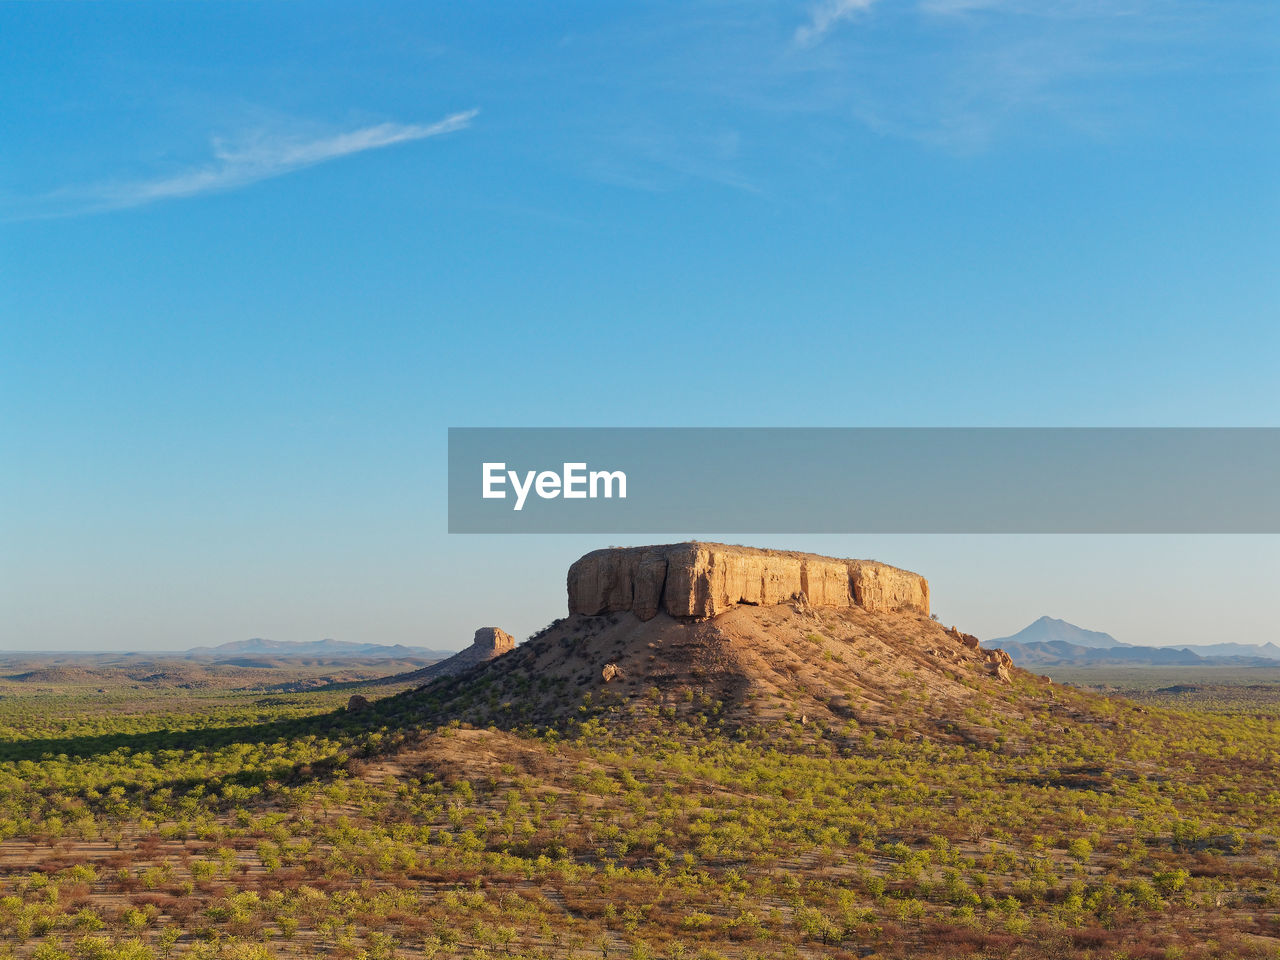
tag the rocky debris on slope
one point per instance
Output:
(610, 672)
(998, 661)
(702, 580)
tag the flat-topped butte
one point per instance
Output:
(701, 580)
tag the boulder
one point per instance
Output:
(1000, 663)
(967, 639)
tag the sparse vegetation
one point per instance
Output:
(1037, 821)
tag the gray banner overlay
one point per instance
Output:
(866, 480)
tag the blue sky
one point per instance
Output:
(255, 258)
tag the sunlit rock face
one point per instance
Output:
(701, 580)
(489, 642)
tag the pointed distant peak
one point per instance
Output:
(1060, 622)
(1051, 629)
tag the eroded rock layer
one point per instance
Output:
(702, 580)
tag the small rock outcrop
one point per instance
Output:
(700, 580)
(1000, 664)
(802, 605)
(968, 639)
(357, 704)
(488, 643)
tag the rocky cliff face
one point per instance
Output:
(701, 580)
(490, 642)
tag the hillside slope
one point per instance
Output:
(750, 665)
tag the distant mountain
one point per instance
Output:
(1058, 653)
(1051, 642)
(340, 649)
(1049, 630)
(1267, 650)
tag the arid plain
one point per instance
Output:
(719, 752)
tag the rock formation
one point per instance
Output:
(968, 639)
(701, 580)
(357, 704)
(1000, 664)
(488, 643)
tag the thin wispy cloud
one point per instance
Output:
(957, 74)
(657, 160)
(258, 157)
(827, 15)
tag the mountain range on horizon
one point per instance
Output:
(1052, 642)
(260, 647)
(1048, 641)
